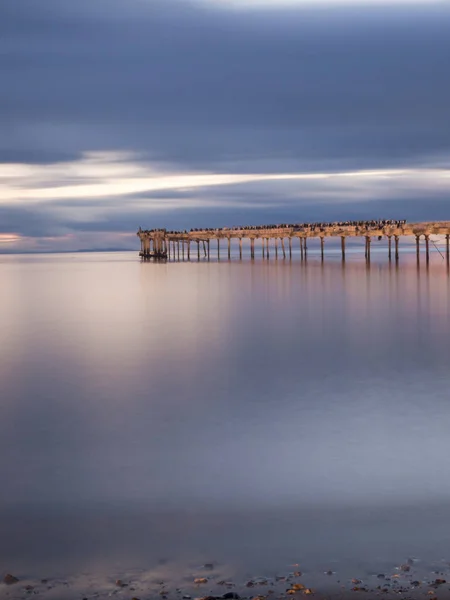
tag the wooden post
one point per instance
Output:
(240, 248)
(290, 247)
(198, 249)
(218, 248)
(396, 246)
(301, 247)
(276, 248)
(418, 247)
(343, 246)
(427, 246)
(267, 248)
(322, 242)
(282, 247)
(204, 248)
(447, 241)
(368, 242)
(229, 248)
(252, 248)
(189, 249)
(263, 248)
(182, 248)
(208, 249)
(390, 246)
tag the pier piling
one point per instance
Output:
(427, 247)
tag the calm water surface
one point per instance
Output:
(257, 415)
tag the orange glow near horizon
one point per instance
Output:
(9, 238)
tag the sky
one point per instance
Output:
(117, 114)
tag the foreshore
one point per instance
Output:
(409, 580)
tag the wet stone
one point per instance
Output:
(10, 579)
(298, 586)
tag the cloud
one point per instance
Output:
(113, 193)
(194, 88)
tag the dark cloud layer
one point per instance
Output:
(233, 91)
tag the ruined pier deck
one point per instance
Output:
(278, 241)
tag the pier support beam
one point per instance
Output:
(204, 248)
(427, 247)
(368, 242)
(178, 249)
(396, 238)
(209, 254)
(229, 248)
(390, 246)
(252, 248)
(276, 247)
(189, 250)
(301, 247)
(218, 249)
(418, 247)
(343, 246)
(290, 247)
(322, 242)
(198, 249)
(267, 249)
(447, 243)
(263, 247)
(240, 248)
(182, 248)
(283, 248)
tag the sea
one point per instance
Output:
(238, 422)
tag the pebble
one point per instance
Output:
(298, 586)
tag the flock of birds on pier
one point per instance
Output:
(372, 224)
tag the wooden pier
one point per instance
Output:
(278, 241)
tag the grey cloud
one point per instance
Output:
(205, 88)
(217, 90)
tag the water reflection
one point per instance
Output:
(194, 402)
